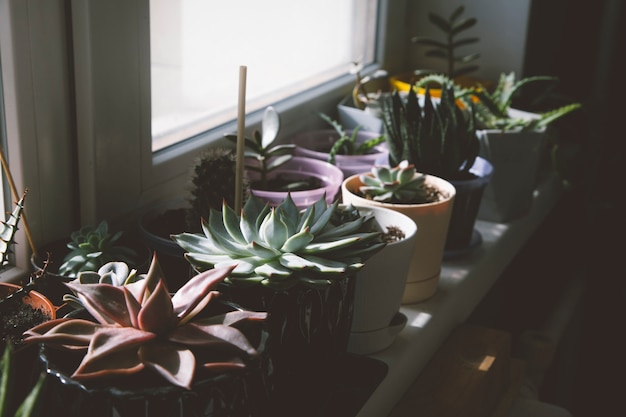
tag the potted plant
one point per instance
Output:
(439, 138)
(21, 307)
(144, 351)
(362, 107)
(513, 141)
(351, 151)
(299, 266)
(86, 249)
(274, 171)
(211, 181)
(426, 199)
(380, 284)
(446, 50)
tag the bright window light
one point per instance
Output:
(197, 47)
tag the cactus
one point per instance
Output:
(213, 182)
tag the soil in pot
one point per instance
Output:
(289, 183)
(20, 313)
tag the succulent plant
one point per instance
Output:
(438, 138)
(141, 326)
(445, 49)
(261, 147)
(492, 108)
(395, 184)
(91, 248)
(212, 182)
(32, 403)
(280, 246)
(346, 144)
(112, 273)
(8, 230)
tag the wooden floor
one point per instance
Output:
(576, 242)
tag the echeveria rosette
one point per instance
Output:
(395, 184)
(140, 325)
(281, 246)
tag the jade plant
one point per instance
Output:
(142, 327)
(397, 185)
(281, 246)
(493, 108)
(438, 138)
(447, 49)
(346, 143)
(90, 248)
(262, 149)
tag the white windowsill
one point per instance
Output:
(463, 284)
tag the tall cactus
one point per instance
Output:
(8, 228)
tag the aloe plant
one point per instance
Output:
(399, 184)
(492, 108)
(447, 48)
(438, 138)
(31, 404)
(281, 246)
(8, 228)
(90, 248)
(346, 144)
(261, 147)
(140, 326)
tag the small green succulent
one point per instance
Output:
(31, 404)
(91, 248)
(261, 147)
(281, 246)
(399, 184)
(113, 273)
(346, 144)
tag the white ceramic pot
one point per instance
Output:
(376, 319)
(432, 221)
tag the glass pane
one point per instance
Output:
(197, 47)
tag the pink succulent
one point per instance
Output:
(140, 325)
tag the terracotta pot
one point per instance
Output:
(317, 143)
(301, 167)
(377, 320)
(432, 221)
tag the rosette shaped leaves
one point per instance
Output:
(281, 246)
(400, 184)
(141, 326)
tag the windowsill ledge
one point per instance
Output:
(463, 284)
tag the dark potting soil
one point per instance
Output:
(17, 317)
(289, 183)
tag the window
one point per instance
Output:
(288, 46)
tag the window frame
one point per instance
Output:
(144, 178)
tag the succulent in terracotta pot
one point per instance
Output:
(141, 326)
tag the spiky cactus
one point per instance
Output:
(399, 184)
(8, 230)
(212, 183)
(281, 246)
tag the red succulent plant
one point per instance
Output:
(140, 325)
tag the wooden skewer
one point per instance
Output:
(241, 124)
